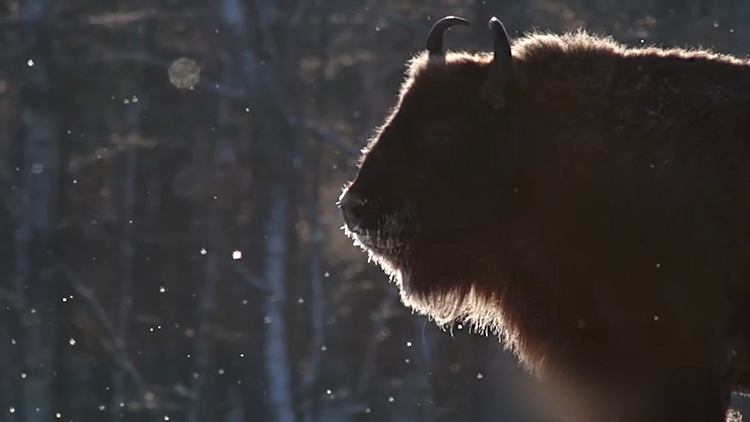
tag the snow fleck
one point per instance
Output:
(368, 410)
(30, 62)
(327, 274)
(58, 415)
(23, 375)
(480, 376)
(221, 371)
(407, 360)
(658, 265)
(408, 344)
(237, 255)
(102, 407)
(391, 399)
(12, 409)
(37, 168)
(162, 289)
(300, 300)
(203, 251)
(267, 320)
(323, 348)
(72, 342)
(656, 317)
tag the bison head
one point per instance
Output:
(432, 192)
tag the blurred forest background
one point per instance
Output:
(170, 248)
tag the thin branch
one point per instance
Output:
(299, 13)
(378, 325)
(250, 277)
(126, 18)
(268, 15)
(111, 19)
(328, 135)
(118, 350)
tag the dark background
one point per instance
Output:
(145, 145)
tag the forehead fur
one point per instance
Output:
(456, 72)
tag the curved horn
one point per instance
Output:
(435, 37)
(501, 67)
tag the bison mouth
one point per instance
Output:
(382, 228)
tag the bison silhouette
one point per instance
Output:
(587, 201)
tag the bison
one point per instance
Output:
(587, 201)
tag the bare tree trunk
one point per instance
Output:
(423, 357)
(204, 357)
(8, 372)
(265, 87)
(127, 246)
(36, 220)
(206, 315)
(317, 294)
(277, 249)
(236, 412)
(310, 383)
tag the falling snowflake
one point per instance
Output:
(184, 73)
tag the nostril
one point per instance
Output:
(363, 212)
(359, 214)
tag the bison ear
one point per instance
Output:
(437, 32)
(501, 67)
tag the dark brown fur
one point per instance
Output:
(599, 223)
